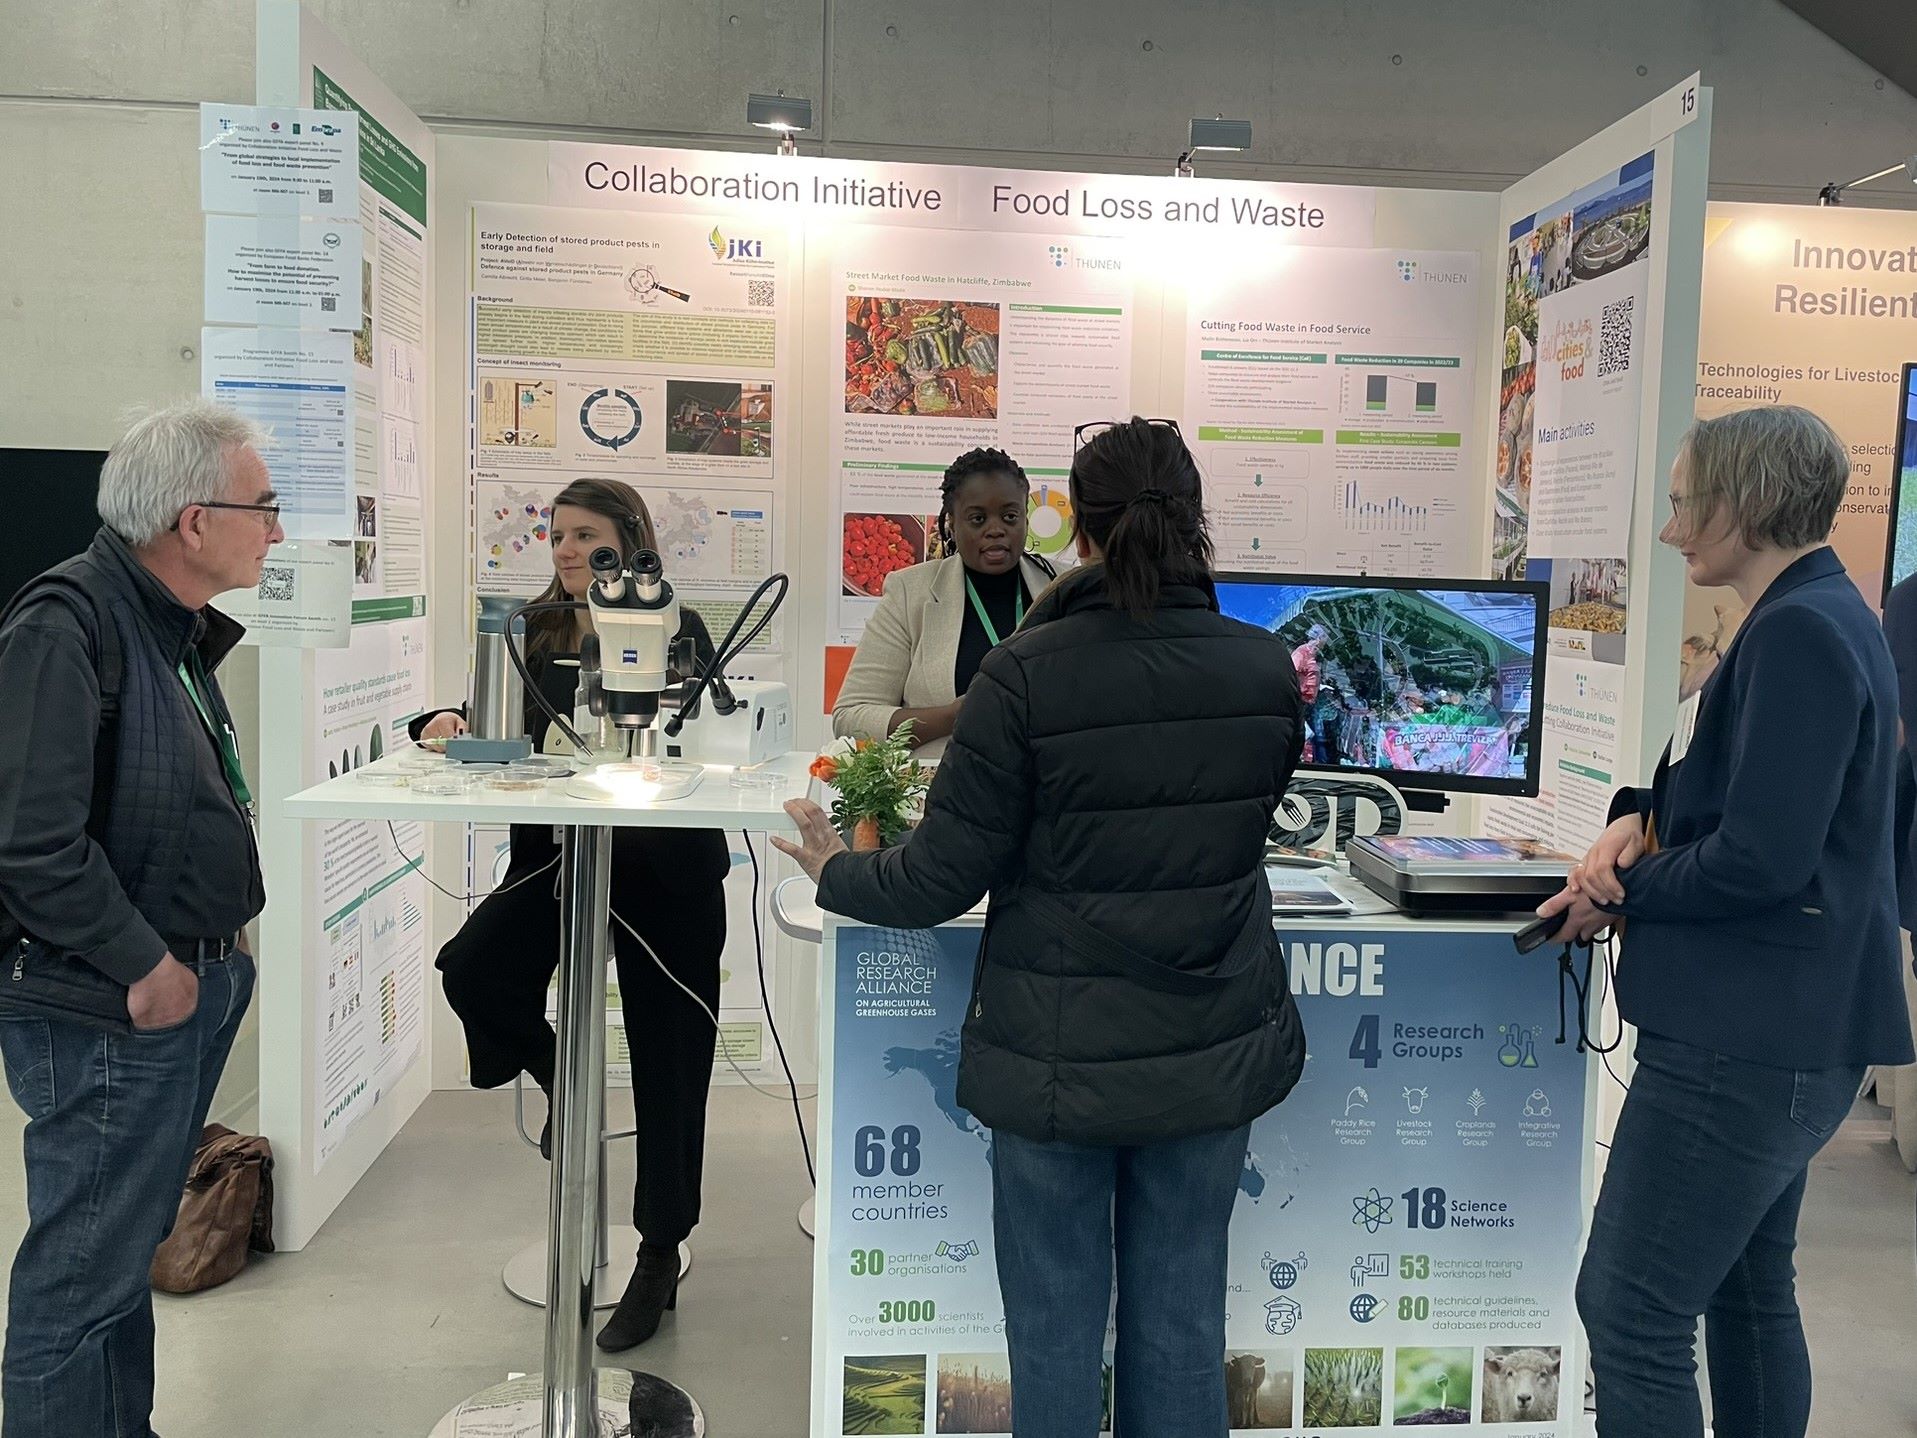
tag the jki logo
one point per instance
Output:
(725, 247)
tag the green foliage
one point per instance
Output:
(884, 1395)
(1432, 1383)
(880, 779)
(1344, 1387)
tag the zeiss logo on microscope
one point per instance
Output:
(728, 249)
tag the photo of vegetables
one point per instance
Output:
(921, 357)
(876, 545)
(885, 1395)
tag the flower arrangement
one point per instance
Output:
(877, 783)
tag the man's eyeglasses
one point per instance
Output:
(269, 512)
(1085, 433)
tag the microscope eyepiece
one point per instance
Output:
(605, 562)
(648, 575)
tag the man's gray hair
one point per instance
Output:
(1776, 474)
(168, 459)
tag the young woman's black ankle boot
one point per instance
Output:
(654, 1288)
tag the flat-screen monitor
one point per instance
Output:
(63, 484)
(1900, 558)
(1430, 683)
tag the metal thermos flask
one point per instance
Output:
(499, 697)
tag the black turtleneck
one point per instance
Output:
(1000, 594)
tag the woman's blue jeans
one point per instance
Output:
(1063, 1215)
(1698, 1218)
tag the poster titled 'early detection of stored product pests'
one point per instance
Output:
(1404, 1248)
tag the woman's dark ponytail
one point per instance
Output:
(1137, 495)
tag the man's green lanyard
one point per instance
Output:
(222, 736)
(978, 608)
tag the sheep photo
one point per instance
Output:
(1521, 1384)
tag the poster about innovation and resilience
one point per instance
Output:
(1404, 1245)
(1576, 286)
(1814, 307)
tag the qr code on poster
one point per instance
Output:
(328, 303)
(759, 294)
(326, 194)
(276, 583)
(1614, 337)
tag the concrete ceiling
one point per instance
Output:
(1881, 33)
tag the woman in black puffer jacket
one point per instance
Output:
(1111, 783)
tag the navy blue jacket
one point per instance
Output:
(1900, 628)
(1765, 927)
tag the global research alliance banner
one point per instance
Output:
(1405, 1246)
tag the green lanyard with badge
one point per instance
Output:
(978, 608)
(193, 676)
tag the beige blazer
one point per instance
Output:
(910, 648)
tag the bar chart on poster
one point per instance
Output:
(1331, 398)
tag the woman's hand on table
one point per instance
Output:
(443, 726)
(1582, 918)
(1618, 847)
(818, 842)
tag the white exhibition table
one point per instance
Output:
(1415, 1208)
(563, 1402)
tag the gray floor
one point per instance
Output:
(396, 1310)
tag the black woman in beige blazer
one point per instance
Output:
(937, 620)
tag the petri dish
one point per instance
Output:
(762, 781)
(378, 777)
(444, 783)
(526, 776)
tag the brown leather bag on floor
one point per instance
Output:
(226, 1211)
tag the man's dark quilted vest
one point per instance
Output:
(146, 814)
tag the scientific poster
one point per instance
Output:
(369, 1007)
(390, 434)
(1813, 307)
(1577, 281)
(952, 342)
(1406, 1234)
(1328, 398)
(297, 386)
(645, 349)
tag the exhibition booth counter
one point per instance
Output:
(1409, 1219)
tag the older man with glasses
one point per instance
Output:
(128, 869)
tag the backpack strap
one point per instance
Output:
(109, 665)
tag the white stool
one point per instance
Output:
(525, 1273)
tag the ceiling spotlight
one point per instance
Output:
(1215, 135)
(1833, 193)
(788, 115)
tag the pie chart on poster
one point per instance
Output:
(1050, 520)
(611, 417)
